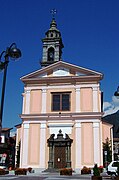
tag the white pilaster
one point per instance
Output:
(16, 150)
(111, 137)
(78, 145)
(95, 99)
(101, 145)
(97, 150)
(43, 101)
(77, 100)
(42, 144)
(23, 106)
(25, 145)
(27, 102)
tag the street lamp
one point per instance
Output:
(117, 93)
(10, 52)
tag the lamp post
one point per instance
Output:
(10, 52)
(117, 93)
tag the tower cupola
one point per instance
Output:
(52, 45)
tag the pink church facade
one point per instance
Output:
(61, 113)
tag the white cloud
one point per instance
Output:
(111, 107)
(115, 100)
(107, 105)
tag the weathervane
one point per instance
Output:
(53, 12)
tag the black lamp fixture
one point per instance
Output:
(117, 93)
(14, 53)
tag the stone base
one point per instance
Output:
(51, 170)
(38, 170)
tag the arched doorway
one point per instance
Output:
(59, 151)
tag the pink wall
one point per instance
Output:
(86, 99)
(34, 144)
(35, 101)
(87, 143)
(106, 131)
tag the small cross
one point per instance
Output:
(53, 12)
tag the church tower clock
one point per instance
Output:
(52, 45)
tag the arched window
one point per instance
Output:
(51, 35)
(51, 54)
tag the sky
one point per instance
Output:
(90, 34)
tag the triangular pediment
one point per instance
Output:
(61, 69)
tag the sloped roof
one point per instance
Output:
(62, 66)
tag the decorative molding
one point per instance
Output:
(78, 125)
(65, 130)
(60, 125)
(61, 72)
(27, 91)
(77, 90)
(44, 90)
(26, 126)
(43, 125)
(95, 124)
(95, 88)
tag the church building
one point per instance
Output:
(61, 114)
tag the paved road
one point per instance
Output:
(49, 177)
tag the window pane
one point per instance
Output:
(115, 164)
(65, 102)
(56, 102)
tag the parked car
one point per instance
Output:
(3, 167)
(112, 168)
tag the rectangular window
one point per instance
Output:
(61, 101)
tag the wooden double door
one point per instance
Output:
(59, 151)
(59, 157)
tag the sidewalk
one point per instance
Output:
(56, 175)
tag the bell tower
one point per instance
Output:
(52, 45)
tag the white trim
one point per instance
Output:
(95, 99)
(43, 125)
(97, 149)
(42, 145)
(25, 145)
(23, 103)
(65, 130)
(21, 150)
(78, 100)
(95, 125)
(69, 86)
(51, 123)
(78, 145)
(78, 125)
(111, 137)
(26, 126)
(44, 94)
(60, 124)
(27, 102)
(101, 145)
(89, 120)
(61, 71)
(58, 65)
(16, 146)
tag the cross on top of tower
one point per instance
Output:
(53, 12)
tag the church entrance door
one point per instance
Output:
(59, 151)
(59, 157)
